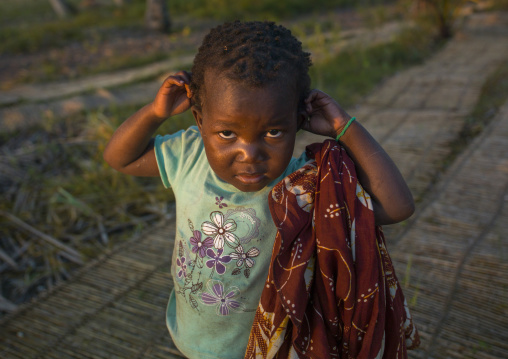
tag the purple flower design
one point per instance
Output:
(198, 246)
(180, 262)
(246, 257)
(218, 201)
(222, 299)
(217, 260)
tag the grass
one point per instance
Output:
(248, 10)
(50, 32)
(498, 5)
(407, 285)
(39, 28)
(39, 31)
(60, 186)
(122, 62)
(15, 12)
(352, 74)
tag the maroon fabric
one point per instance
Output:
(331, 290)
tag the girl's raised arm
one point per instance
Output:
(378, 174)
(130, 149)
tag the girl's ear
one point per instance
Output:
(198, 116)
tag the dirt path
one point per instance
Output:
(453, 253)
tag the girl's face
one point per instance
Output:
(248, 133)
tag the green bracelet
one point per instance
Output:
(345, 128)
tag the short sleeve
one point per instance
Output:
(177, 153)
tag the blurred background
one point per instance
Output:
(72, 70)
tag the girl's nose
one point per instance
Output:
(250, 153)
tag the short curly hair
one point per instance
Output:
(254, 53)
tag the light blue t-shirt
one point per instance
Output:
(223, 245)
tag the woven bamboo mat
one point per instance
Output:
(113, 308)
(454, 258)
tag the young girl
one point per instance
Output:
(249, 92)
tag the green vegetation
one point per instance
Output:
(40, 29)
(247, 9)
(353, 73)
(501, 5)
(442, 14)
(47, 31)
(40, 32)
(15, 12)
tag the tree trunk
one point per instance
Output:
(62, 8)
(157, 16)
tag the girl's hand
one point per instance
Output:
(391, 197)
(173, 96)
(325, 116)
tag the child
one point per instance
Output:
(249, 92)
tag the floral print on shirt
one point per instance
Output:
(222, 231)
(217, 244)
(199, 246)
(223, 299)
(217, 262)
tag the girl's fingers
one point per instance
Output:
(187, 76)
(184, 76)
(172, 81)
(308, 109)
(309, 100)
(181, 78)
(189, 93)
(310, 97)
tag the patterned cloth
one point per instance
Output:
(331, 290)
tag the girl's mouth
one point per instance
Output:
(250, 178)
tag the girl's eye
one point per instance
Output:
(227, 135)
(274, 133)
